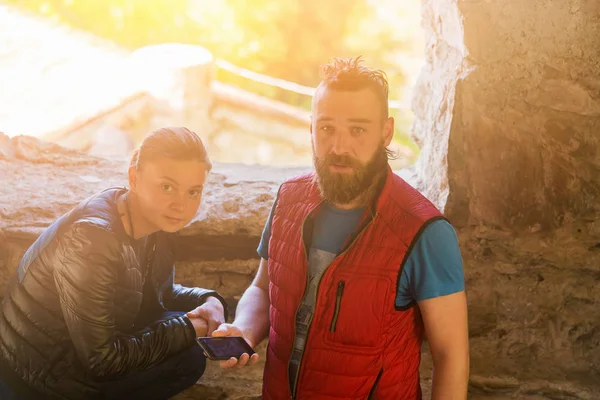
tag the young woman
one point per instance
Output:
(93, 312)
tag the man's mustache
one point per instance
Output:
(342, 160)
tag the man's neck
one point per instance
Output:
(356, 203)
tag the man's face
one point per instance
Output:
(349, 137)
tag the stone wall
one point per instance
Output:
(508, 118)
(508, 110)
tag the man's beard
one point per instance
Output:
(343, 188)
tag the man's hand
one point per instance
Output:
(211, 314)
(232, 330)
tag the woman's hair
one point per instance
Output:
(178, 143)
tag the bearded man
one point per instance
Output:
(357, 267)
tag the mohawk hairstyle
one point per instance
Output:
(352, 74)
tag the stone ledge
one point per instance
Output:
(42, 181)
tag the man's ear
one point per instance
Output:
(388, 131)
(132, 175)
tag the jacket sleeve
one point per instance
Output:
(85, 275)
(180, 298)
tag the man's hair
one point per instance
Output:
(352, 74)
(177, 143)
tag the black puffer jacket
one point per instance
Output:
(67, 318)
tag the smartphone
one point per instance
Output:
(224, 347)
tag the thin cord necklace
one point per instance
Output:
(149, 259)
(129, 215)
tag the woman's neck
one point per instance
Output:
(136, 226)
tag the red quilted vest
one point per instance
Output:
(359, 345)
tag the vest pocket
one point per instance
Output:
(356, 311)
(338, 303)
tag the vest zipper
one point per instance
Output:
(338, 302)
(372, 392)
(293, 396)
(305, 252)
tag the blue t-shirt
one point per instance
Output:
(432, 269)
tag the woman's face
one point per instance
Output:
(168, 191)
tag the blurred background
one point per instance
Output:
(99, 74)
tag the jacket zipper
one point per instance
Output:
(293, 396)
(338, 302)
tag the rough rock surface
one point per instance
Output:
(534, 303)
(41, 181)
(508, 115)
(508, 111)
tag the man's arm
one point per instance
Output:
(252, 316)
(252, 313)
(433, 277)
(445, 320)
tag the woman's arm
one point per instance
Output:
(180, 298)
(85, 275)
(177, 297)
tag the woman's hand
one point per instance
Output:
(207, 317)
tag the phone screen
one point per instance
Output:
(223, 348)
